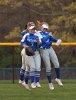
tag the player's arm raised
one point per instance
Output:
(58, 41)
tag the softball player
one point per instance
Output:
(24, 70)
(47, 53)
(34, 62)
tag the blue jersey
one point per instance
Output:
(47, 39)
(23, 32)
(30, 40)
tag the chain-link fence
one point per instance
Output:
(10, 63)
(9, 74)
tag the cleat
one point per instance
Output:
(59, 82)
(38, 84)
(20, 82)
(26, 86)
(33, 85)
(51, 86)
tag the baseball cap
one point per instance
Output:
(45, 25)
(31, 27)
(30, 24)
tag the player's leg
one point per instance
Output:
(37, 60)
(26, 75)
(31, 64)
(46, 59)
(26, 78)
(55, 61)
(22, 69)
(26, 71)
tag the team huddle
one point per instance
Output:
(36, 45)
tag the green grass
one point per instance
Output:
(18, 92)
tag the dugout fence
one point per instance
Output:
(9, 70)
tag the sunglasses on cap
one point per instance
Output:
(45, 28)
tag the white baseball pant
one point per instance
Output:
(34, 62)
(47, 55)
(24, 60)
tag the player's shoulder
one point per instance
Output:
(23, 32)
(49, 33)
(26, 35)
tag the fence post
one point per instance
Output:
(13, 65)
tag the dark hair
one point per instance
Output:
(25, 27)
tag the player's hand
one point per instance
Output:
(58, 42)
(25, 46)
